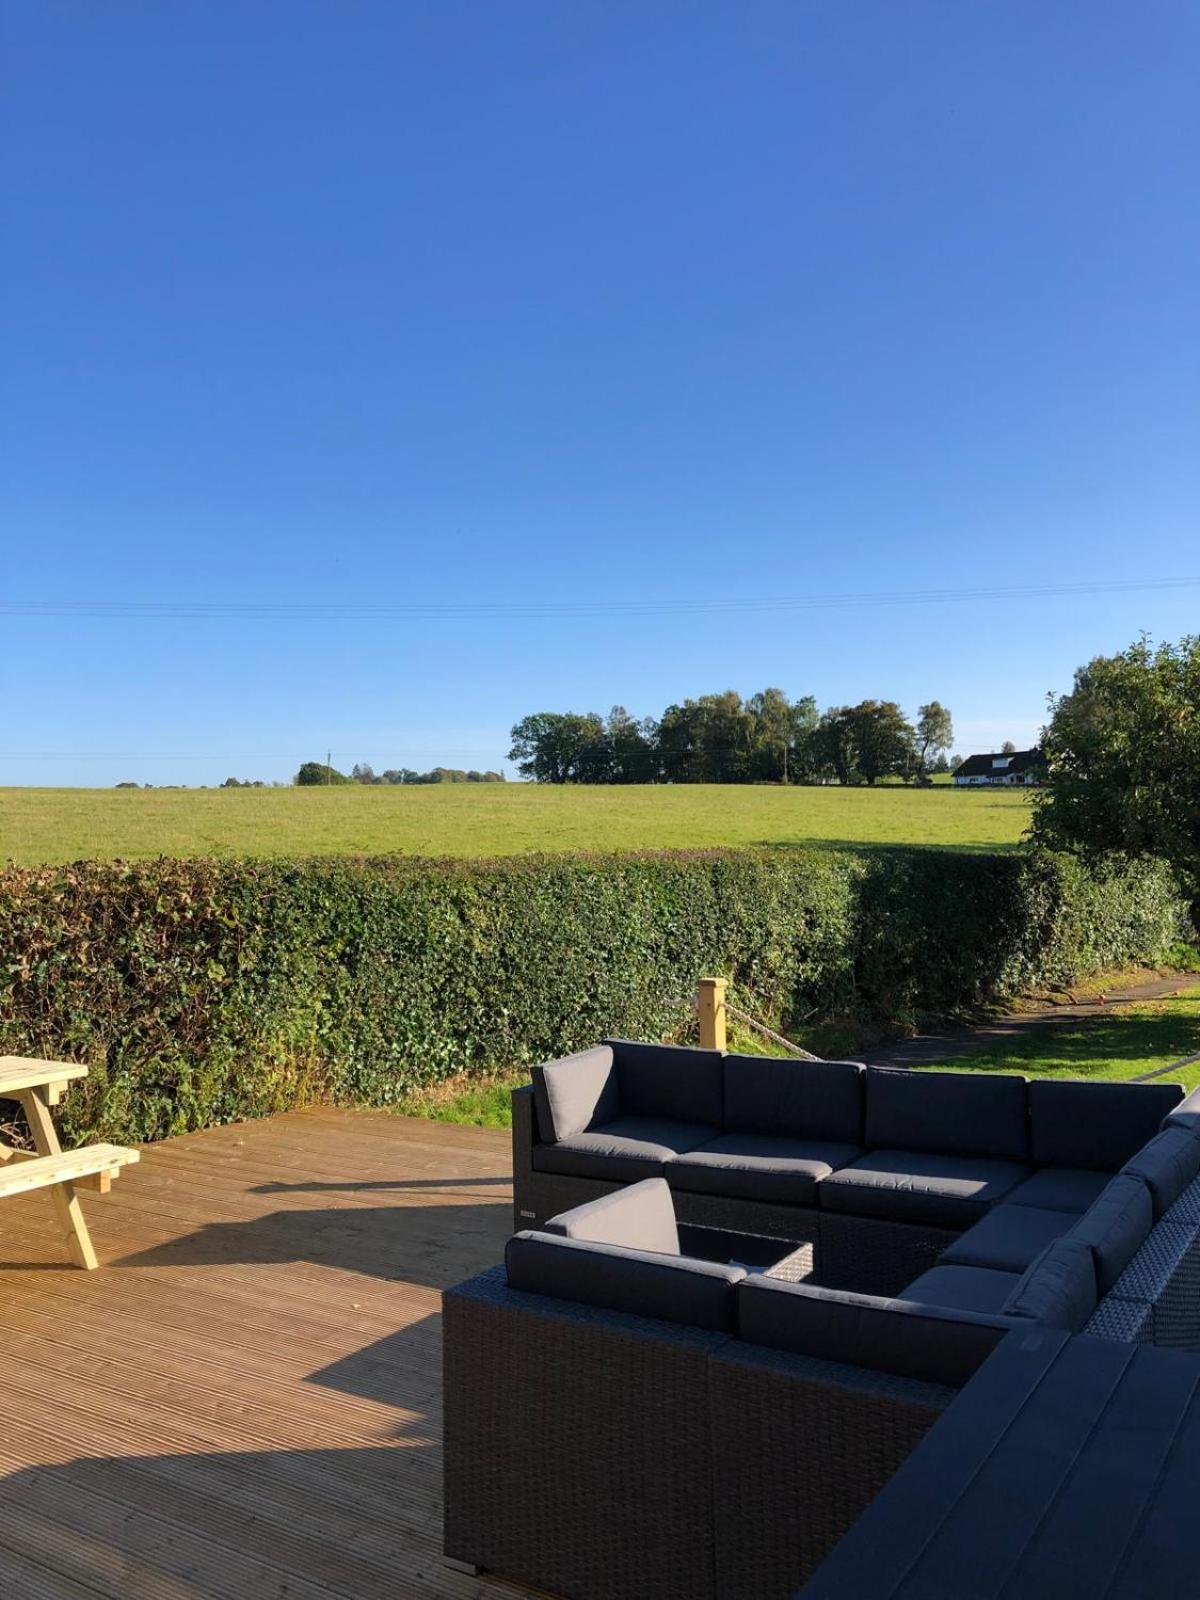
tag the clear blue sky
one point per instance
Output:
(351, 303)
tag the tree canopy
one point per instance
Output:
(313, 773)
(1123, 758)
(721, 738)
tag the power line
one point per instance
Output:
(517, 610)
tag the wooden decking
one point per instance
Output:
(244, 1402)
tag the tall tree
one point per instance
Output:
(833, 744)
(630, 747)
(935, 734)
(1123, 758)
(884, 740)
(559, 747)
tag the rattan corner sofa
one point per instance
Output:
(643, 1401)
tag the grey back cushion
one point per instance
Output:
(672, 1288)
(1059, 1289)
(576, 1093)
(863, 1330)
(1166, 1166)
(805, 1099)
(641, 1216)
(1187, 1113)
(669, 1081)
(1095, 1125)
(952, 1113)
(1115, 1226)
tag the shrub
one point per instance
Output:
(204, 991)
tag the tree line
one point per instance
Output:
(315, 773)
(721, 738)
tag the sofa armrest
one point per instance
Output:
(644, 1283)
(524, 1132)
(641, 1216)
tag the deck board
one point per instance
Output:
(244, 1402)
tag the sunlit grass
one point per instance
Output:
(54, 825)
(1123, 1043)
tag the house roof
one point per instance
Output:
(985, 766)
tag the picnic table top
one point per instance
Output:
(23, 1072)
(1066, 1468)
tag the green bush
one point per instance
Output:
(204, 991)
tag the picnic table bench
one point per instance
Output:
(38, 1086)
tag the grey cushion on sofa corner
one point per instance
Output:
(942, 1191)
(1070, 1189)
(670, 1081)
(575, 1093)
(820, 1100)
(1115, 1227)
(1094, 1125)
(1186, 1114)
(640, 1216)
(641, 1282)
(623, 1151)
(1059, 1289)
(950, 1113)
(1009, 1239)
(1166, 1165)
(896, 1336)
(754, 1166)
(960, 1288)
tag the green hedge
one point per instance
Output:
(203, 991)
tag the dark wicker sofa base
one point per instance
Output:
(688, 1464)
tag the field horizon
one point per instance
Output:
(49, 826)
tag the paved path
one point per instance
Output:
(926, 1049)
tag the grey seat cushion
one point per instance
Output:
(1059, 1289)
(575, 1093)
(820, 1100)
(1166, 1165)
(1095, 1125)
(963, 1288)
(862, 1330)
(669, 1081)
(673, 1288)
(641, 1216)
(756, 1166)
(623, 1151)
(1115, 1227)
(944, 1191)
(951, 1113)
(1070, 1189)
(1009, 1239)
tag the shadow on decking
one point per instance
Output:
(398, 1243)
(349, 1186)
(306, 1524)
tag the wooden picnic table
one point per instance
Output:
(38, 1086)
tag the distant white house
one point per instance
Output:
(1015, 767)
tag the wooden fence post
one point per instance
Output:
(710, 1008)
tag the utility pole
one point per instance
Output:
(328, 768)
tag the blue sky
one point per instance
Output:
(317, 306)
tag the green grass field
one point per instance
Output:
(1120, 1044)
(53, 825)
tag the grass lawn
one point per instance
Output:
(1119, 1044)
(53, 825)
